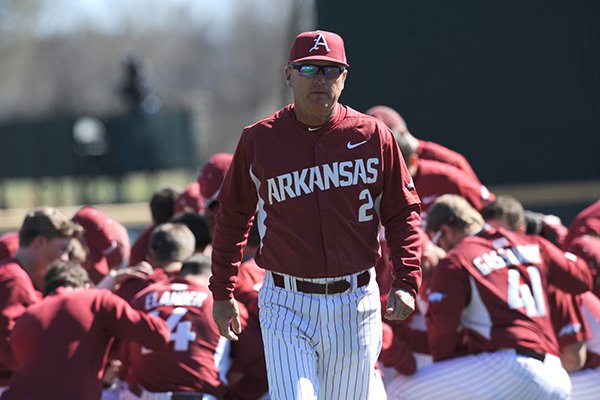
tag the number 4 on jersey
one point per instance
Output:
(181, 331)
(519, 294)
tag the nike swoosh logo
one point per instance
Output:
(351, 146)
(313, 129)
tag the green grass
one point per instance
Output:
(68, 191)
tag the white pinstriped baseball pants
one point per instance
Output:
(486, 376)
(320, 346)
(586, 384)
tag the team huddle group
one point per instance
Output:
(86, 315)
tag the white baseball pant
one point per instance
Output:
(321, 346)
(502, 374)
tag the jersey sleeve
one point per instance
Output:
(237, 205)
(566, 271)
(123, 322)
(448, 296)
(567, 318)
(400, 215)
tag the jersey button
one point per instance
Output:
(321, 145)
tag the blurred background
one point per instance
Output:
(103, 101)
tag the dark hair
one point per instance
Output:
(198, 225)
(171, 242)
(47, 222)
(405, 147)
(507, 208)
(162, 204)
(198, 264)
(65, 274)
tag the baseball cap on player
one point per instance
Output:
(100, 238)
(388, 116)
(190, 199)
(318, 45)
(211, 176)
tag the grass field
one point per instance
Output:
(125, 201)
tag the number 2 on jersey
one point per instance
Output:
(362, 211)
(181, 331)
(519, 294)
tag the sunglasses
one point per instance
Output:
(310, 71)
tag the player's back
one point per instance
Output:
(189, 363)
(505, 275)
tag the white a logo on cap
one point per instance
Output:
(320, 41)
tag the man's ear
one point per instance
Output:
(288, 75)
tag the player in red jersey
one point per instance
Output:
(422, 148)
(433, 179)
(162, 207)
(44, 237)
(488, 319)
(323, 177)
(61, 343)
(196, 361)
(586, 222)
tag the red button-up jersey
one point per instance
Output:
(321, 197)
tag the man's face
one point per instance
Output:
(49, 250)
(317, 94)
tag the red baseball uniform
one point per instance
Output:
(16, 294)
(494, 285)
(586, 222)
(437, 152)
(61, 343)
(192, 361)
(320, 209)
(434, 179)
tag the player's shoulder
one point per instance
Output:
(434, 167)
(268, 123)
(11, 270)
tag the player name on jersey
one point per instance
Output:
(175, 299)
(505, 257)
(323, 177)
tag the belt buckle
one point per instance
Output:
(327, 287)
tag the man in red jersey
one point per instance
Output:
(44, 237)
(586, 222)
(488, 318)
(61, 343)
(196, 361)
(323, 177)
(422, 148)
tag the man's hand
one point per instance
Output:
(227, 318)
(400, 305)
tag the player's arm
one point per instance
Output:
(566, 271)
(448, 296)
(237, 205)
(13, 303)
(400, 214)
(124, 322)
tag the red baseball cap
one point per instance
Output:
(99, 230)
(387, 115)
(9, 244)
(212, 174)
(190, 199)
(318, 45)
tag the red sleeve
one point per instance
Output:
(400, 214)
(397, 353)
(139, 250)
(437, 152)
(566, 271)
(238, 198)
(122, 321)
(567, 319)
(15, 297)
(448, 296)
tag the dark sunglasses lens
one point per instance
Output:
(308, 70)
(332, 72)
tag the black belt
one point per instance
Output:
(334, 287)
(531, 353)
